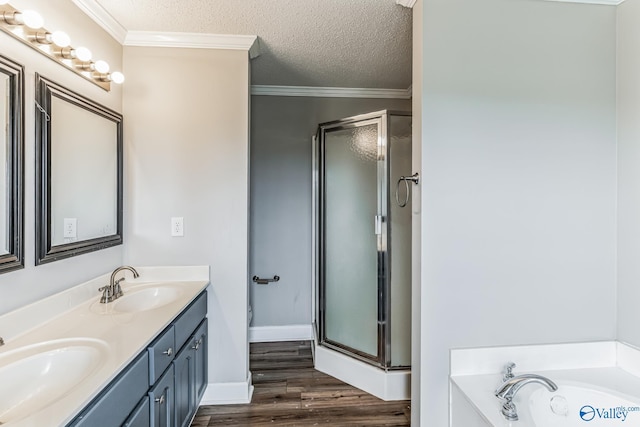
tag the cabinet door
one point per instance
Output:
(201, 361)
(185, 392)
(141, 416)
(162, 401)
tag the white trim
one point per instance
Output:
(190, 40)
(330, 92)
(95, 11)
(603, 2)
(406, 3)
(391, 385)
(280, 333)
(228, 393)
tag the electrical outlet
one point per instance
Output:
(70, 227)
(177, 226)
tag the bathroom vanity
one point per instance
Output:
(163, 385)
(140, 360)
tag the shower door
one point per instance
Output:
(353, 236)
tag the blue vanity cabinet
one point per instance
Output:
(141, 416)
(201, 360)
(115, 403)
(190, 366)
(184, 369)
(161, 387)
(162, 401)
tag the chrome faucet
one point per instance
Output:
(113, 291)
(512, 384)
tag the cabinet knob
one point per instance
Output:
(169, 352)
(160, 399)
(197, 345)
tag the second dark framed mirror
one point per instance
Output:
(78, 174)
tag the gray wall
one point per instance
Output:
(187, 156)
(519, 179)
(628, 171)
(281, 130)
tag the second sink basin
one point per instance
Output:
(146, 298)
(35, 376)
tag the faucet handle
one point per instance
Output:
(508, 374)
(107, 295)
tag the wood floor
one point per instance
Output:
(289, 392)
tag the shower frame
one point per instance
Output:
(383, 357)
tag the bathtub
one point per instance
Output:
(598, 386)
(579, 404)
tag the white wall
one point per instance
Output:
(519, 179)
(21, 287)
(187, 127)
(628, 61)
(281, 131)
(416, 218)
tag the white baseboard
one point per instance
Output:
(280, 333)
(392, 385)
(228, 393)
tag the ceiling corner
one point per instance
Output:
(406, 3)
(93, 10)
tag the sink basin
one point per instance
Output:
(35, 376)
(146, 298)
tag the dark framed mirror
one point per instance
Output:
(11, 165)
(78, 174)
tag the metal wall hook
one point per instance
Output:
(415, 178)
(260, 281)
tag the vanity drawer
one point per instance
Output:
(161, 354)
(190, 319)
(113, 406)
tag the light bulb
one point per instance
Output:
(60, 38)
(117, 77)
(32, 19)
(102, 67)
(83, 54)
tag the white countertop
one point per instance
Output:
(77, 313)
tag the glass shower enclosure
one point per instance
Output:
(363, 237)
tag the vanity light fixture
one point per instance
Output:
(28, 27)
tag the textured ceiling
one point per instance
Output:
(329, 43)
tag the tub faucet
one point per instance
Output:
(510, 387)
(113, 291)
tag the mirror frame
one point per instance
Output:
(14, 260)
(45, 252)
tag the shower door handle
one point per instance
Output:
(378, 224)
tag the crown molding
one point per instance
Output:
(406, 3)
(602, 2)
(93, 10)
(193, 40)
(330, 92)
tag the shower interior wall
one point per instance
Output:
(280, 206)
